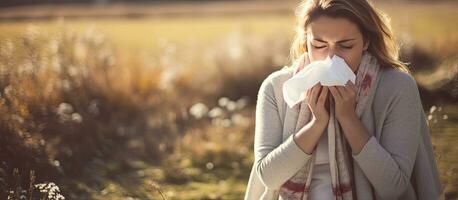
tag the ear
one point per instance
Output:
(366, 45)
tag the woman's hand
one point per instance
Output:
(345, 104)
(345, 101)
(316, 101)
(309, 135)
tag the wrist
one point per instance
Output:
(319, 124)
(348, 119)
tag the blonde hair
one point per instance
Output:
(373, 24)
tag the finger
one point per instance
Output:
(315, 91)
(307, 95)
(335, 93)
(351, 85)
(348, 90)
(309, 92)
(346, 93)
(323, 95)
(343, 92)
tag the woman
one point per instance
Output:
(367, 140)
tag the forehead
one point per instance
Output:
(329, 28)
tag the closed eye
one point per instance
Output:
(343, 46)
(346, 47)
(318, 47)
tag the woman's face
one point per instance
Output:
(335, 36)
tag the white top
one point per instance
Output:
(321, 187)
(322, 152)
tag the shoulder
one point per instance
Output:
(391, 76)
(274, 81)
(394, 86)
(395, 82)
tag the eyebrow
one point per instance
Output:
(341, 41)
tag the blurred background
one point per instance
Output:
(144, 99)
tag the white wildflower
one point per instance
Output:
(76, 117)
(223, 101)
(215, 112)
(210, 165)
(241, 103)
(64, 108)
(432, 109)
(198, 110)
(60, 197)
(51, 189)
(238, 119)
(231, 106)
(56, 163)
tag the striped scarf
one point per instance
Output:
(297, 187)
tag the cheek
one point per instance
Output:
(352, 60)
(353, 56)
(317, 54)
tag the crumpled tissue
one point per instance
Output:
(328, 72)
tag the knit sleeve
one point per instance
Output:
(275, 161)
(388, 163)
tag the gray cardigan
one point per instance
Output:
(396, 163)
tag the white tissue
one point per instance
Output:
(328, 72)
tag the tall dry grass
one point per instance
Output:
(69, 99)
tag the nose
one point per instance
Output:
(331, 52)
